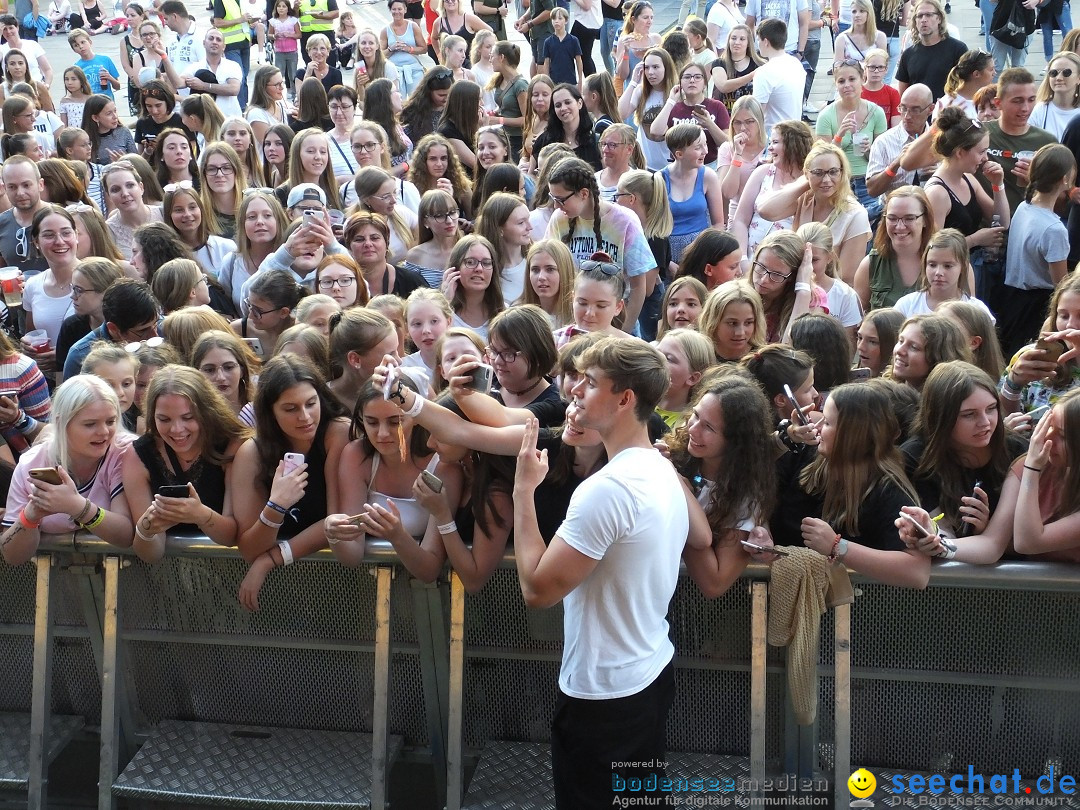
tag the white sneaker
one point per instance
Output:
(810, 109)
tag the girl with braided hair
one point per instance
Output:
(587, 224)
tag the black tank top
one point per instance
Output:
(965, 218)
(310, 509)
(208, 478)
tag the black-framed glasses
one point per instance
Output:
(342, 107)
(224, 170)
(77, 292)
(449, 216)
(761, 270)
(506, 357)
(876, 68)
(617, 194)
(613, 144)
(907, 219)
(832, 173)
(365, 147)
(259, 313)
(561, 201)
(607, 268)
(924, 15)
(1065, 72)
(328, 283)
(471, 263)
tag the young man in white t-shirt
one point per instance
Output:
(614, 564)
(778, 84)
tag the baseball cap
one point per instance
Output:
(305, 191)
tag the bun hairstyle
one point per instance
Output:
(956, 131)
(970, 63)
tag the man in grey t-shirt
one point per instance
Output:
(24, 185)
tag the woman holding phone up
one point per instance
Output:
(284, 481)
(73, 479)
(175, 478)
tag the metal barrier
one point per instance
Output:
(971, 671)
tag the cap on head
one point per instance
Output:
(305, 191)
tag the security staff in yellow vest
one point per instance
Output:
(316, 17)
(229, 20)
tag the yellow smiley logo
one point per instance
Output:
(861, 783)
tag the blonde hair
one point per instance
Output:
(870, 29)
(843, 198)
(650, 189)
(820, 236)
(736, 291)
(564, 262)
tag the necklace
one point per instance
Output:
(527, 390)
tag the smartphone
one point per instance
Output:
(1053, 348)
(701, 109)
(918, 527)
(859, 375)
(47, 474)
(431, 480)
(13, 395)
(481, 379)
(1034, 413)
(803, 419)
(388, 386)
(292, 461)
(310, 215)
(255, 345)
(751, 546)
(174, 491)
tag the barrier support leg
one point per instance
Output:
(842, 721)
(381, 712)
(455, 742)
(433, 643)
(41, 699)
(758, 622)
(110, 669)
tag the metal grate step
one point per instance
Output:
(517, 775)
(15, 745)
(254, 767)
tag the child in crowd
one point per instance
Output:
(561, 52)
(119, 368)
(599, 294)
(100, 71)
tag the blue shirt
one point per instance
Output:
(77, 353)
(562, 53)
(92, 69)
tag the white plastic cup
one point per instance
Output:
(38, 339)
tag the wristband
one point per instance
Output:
(802, 286)
(1009, 394)
(1033, 469)
(837, 139)
(286, 552)
(26, 522)
(416, 407)
(997, 188)
(782, 434)
(141, 536)
(736, 163)
(99, 518)
(948, 549)
(281, 510)
(87, 508)
(448, 528)
(264, 521)
(1007, 382)
(889, 172)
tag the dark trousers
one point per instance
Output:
(588, 738)
(587, 37)
(1020, 322)
(241, 54)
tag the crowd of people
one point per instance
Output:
(580, 311)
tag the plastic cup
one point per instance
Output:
(861, 141)
(9, 282)
(1025, 155)
(38, 339)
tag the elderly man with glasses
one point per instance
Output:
(883, 170)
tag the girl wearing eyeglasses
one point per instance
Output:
(221, 187)
(377, 192)
(267, 106)
(439, 231)
(974, 71)
(1058, 99)
(340, 277)
(876, 65)
(824, 194)
(782, 273)
(231, 367)
(271, 298)
(89, 281)
(619, 154)
(471, 283)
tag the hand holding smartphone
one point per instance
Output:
(759, 549)
(292, 461)
(174, 491)
(790, 396)
(918, 526)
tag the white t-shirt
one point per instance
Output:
(185, 50)
(915, 303)
(212, 255)
(724, 19)
(786, 10)
(631, 516)
(778, 88)
(1049, 116)
(49, 312)
(226, 71)
(512, 280)
(32, 51)
(844, 304)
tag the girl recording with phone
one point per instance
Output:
(72, 480)
(176, 476)
(279, 511)
(840, 498)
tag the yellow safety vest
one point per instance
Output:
(309, 24)
(233, 33)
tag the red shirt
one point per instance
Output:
(682, 114)
(888, 98)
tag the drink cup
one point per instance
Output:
(38, 340)
(9, 282)
(861, 141)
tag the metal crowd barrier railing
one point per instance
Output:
(202, 702)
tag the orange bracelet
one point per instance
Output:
(737, 163)
(837, 139)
